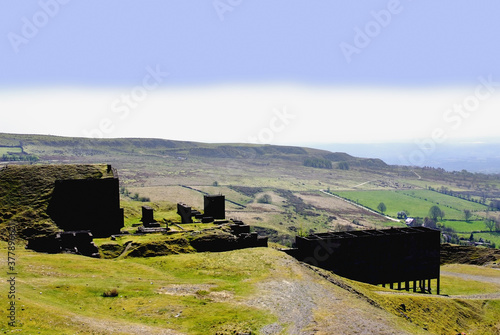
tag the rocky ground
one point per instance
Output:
(310, 305)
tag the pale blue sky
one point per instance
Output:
(100, 50)
(110, 42)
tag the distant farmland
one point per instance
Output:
(8, 150)
(417, 202)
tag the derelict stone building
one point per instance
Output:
(88, 204)
(401, 256)
(214, 209)
(215, 206)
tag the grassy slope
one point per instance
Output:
(205, 293)
(26, 190)
(153, 163)
(52, 289)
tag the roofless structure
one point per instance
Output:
(406, 257)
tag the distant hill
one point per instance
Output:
(474, 156)
(46, 148)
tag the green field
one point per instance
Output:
(465, 227)
(446, 201)
(7, 150)
(418, 202)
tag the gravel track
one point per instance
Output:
(311, 305)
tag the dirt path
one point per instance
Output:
(107, 326)
(485, 279)
(416, 174)
(366, 182)
(311, 305)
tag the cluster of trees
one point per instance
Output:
(435, 212)
(319, 163)
(16, 158)
(492, 224)
(382, 207)
(343, 165)
(495, 205)
(265, 199)
(135, 196)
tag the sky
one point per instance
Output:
(276, 72)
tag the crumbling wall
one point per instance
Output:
(87, 204)
(215, 206)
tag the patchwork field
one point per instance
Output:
(7, 150)
(418, 202)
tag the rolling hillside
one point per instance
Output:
(257, 291)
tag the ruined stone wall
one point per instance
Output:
(87, 204)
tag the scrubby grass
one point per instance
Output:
(160, 244)
(451, 285)
(62, 293)
(442, 315)
(163, 210)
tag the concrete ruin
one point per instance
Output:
(149, 224)
(74, 242)
(185, 212)
(88, 204)
(215, 206)
(403, 258)
(148, 217)
(214, 209)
